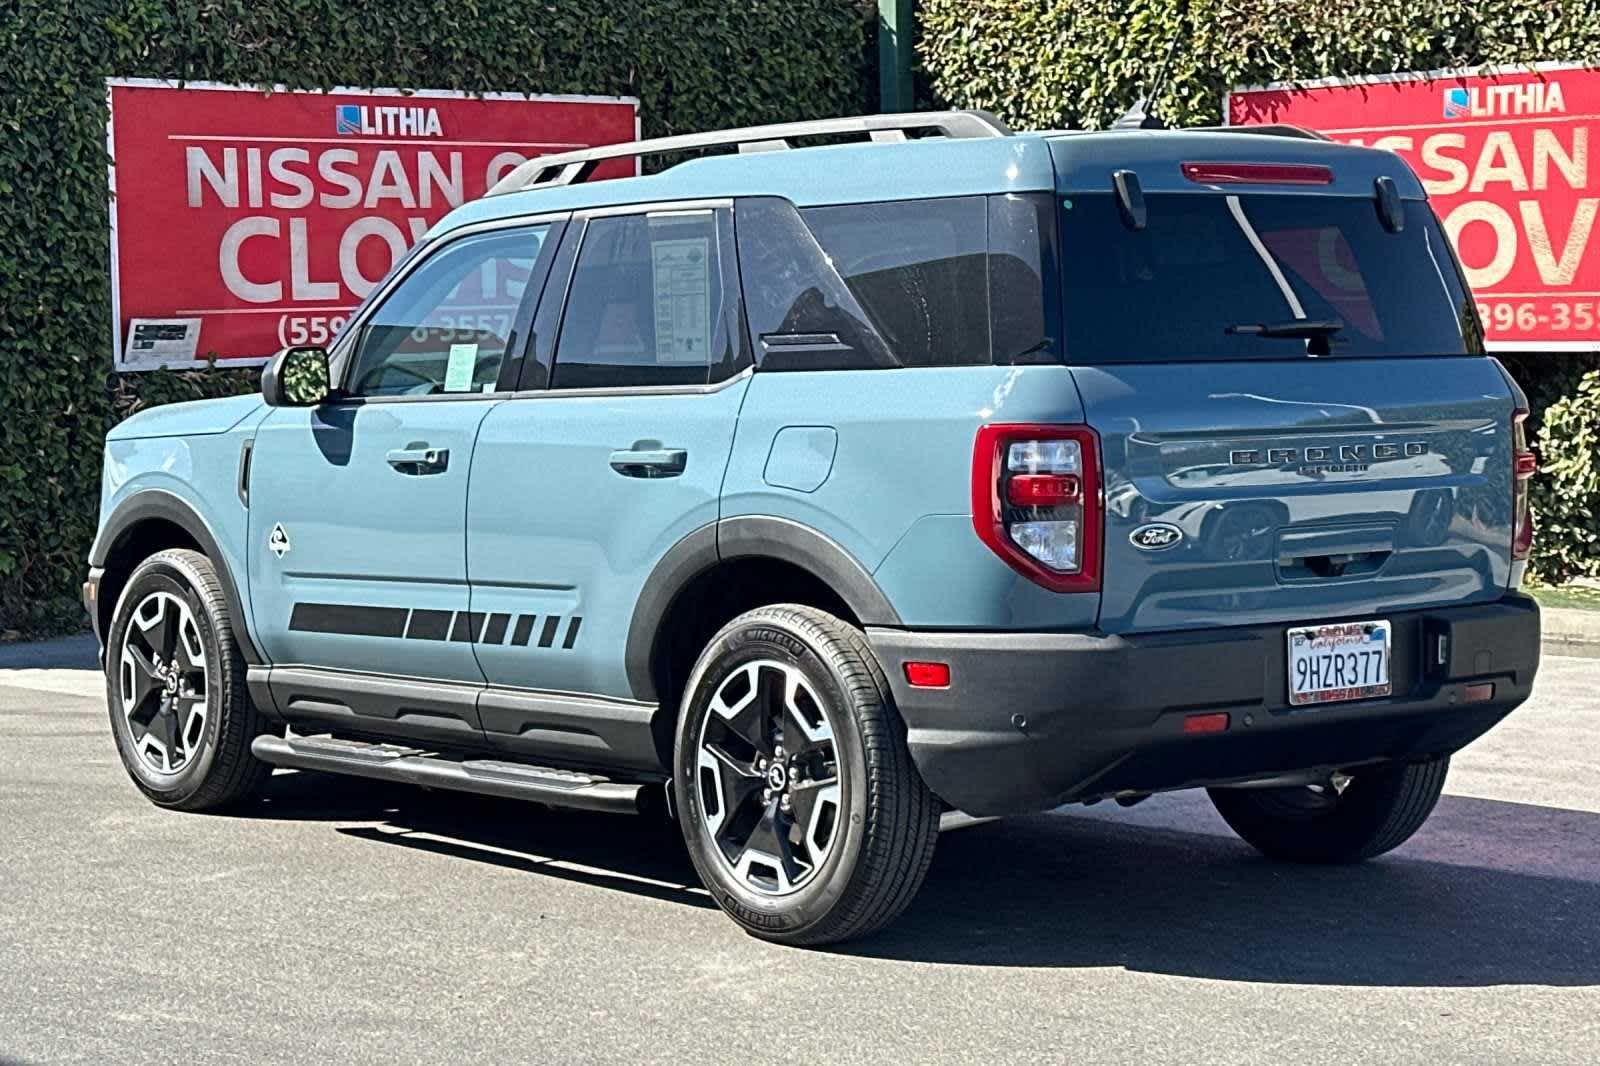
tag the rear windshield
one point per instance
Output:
(1215, 277)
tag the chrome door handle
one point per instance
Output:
(422, 460)
(650, 462)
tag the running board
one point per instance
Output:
(414, 766)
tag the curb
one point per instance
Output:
(1568, 630)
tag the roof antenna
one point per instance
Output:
(1142, 115)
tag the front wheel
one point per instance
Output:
(797, 796)
(1350, 818)
(175, 686)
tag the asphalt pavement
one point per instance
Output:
(341, 921)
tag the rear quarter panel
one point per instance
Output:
(897, 497)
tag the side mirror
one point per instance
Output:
(297, 377)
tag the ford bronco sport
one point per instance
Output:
(808, 493)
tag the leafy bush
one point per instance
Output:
(694, 64)
(1566, 493)
(1041, 64)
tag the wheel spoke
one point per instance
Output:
(736, 782)
(143, 674)
(804, 726)
(736, 706)
(769, 852)
(189, 714)
(816, 812)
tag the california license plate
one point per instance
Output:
(1348, 661)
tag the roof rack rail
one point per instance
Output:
(567, 168)
(1276, 130)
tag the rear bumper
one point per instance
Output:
(1031, 720)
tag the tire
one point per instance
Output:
(1377, 811)
(174, 760)
(844, 841)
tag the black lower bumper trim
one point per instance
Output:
(1030, 720)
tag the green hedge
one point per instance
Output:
(1081, 63)
(693, 64)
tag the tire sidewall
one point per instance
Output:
(167, 574)
(745, 641)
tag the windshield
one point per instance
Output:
(1258, 277)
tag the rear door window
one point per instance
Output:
(1208, 271)
(647, 305)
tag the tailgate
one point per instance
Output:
(1243, 493)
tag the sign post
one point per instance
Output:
(1508, 158)
(244, 220)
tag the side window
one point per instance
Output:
(959, 281)
(646, 305)
(919, 267)
(448, 326)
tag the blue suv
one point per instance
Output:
(809, 493)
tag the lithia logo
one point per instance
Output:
(1488, 101)
(1345, 459)
(362, 120)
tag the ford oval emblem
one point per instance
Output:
(1155, 536)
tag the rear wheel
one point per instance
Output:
(797, 796)
(175, 685)
(1350, 818)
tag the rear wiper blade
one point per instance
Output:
(1308, 328)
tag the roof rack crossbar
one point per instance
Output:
(567, 168)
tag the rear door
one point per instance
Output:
(1296, 417)
(613, 452)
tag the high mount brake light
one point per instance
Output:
(1036, 501)
(1257, 173)
(1524, 464)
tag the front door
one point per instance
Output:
(581, 485)
(357, 507)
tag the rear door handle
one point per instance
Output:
(420, 460)
(650, 462)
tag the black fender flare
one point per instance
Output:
(147, 504)
(745, 536)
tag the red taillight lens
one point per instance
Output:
(1257, 173)
(1036, 502)
(1043, 490)
(1524, 464)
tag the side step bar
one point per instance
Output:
(413, 766)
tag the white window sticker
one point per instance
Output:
(459, 370)
(681, 271)
(157, 342)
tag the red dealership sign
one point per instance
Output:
(244, 220)
(1511, 162)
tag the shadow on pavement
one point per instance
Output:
(1455, 907)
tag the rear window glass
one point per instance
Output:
(1208, 272)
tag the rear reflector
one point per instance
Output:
(928, 675)
(1480, 693)
(1257, 174)
(1216, 722)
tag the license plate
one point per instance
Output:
(1349, 661)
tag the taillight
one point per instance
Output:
(1524, 464)
(1036, 502)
